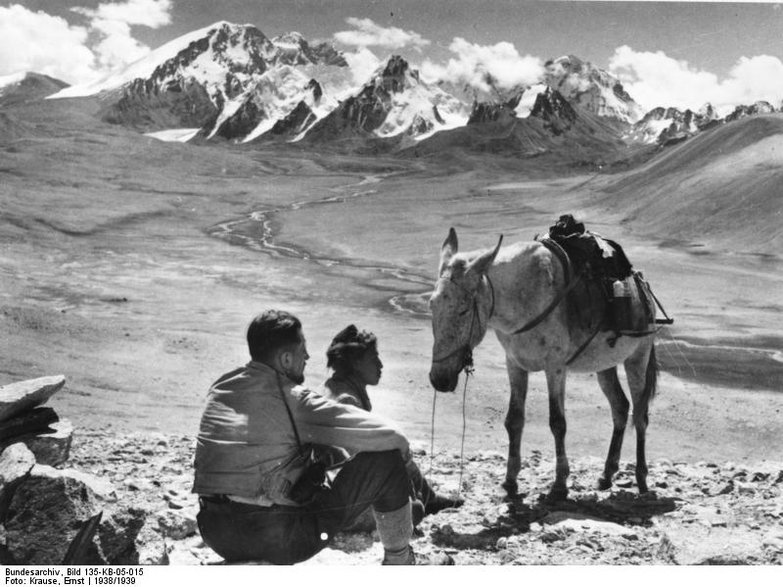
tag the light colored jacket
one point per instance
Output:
(246, 444)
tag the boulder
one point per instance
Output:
(50, 506)
(151, 547)
(16, 398)
(16, 461)
(45, 514)
(51, 448)
(128, 537)
(177, 524)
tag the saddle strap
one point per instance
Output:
(570, 284)
(667, 320)
(584, 345)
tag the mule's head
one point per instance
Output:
(459, 319)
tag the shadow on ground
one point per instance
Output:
(623, 509)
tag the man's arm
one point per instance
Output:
(324, 421)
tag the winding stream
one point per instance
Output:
(259, 229)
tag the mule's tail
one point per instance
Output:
(651, 377)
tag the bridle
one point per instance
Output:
(467, 361)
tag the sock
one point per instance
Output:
(395, 529)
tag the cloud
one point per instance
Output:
(655, 79)
(369, 34)
(112, 21)
(362, 64)
(484, 66)
(37, 41)
(150, 13)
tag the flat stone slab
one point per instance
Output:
(21, 396)
(583, 523)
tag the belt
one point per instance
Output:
(223, 498)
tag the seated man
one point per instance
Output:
(252, 452)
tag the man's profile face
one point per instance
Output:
(294, 359)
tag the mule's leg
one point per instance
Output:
(613, 391)
(556, 380)
(515, 423)
(641, 371)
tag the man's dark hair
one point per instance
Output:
(270, 331)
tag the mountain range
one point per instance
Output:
(231, 82)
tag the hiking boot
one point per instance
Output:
(437, 503)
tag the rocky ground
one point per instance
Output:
(697, 513)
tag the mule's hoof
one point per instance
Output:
(642, 487)
(604, 483)
(557, 494)
(511, 487)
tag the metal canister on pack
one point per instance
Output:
(621, 305)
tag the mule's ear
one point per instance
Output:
(448, 250)
(450, 245)
(481, 264)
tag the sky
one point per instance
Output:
(680, 54)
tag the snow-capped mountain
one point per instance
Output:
(539, 123)
(593, 89)
(666, 125)
(230, 80)
(394, 102)
(760, 107)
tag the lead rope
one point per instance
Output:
(469, 369)
(468, 372)
(432, 430)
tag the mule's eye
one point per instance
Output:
(465, 311)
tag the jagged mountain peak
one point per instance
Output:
(708, 111)
(592, 88)
(551, 104)
(396, 66)
(571, 62)
(394, 102)
(296, 50)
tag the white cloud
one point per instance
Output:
(655, 79)
(362, 64)
(150, 13)
(36, 41)
(367, 33)
(476, 65)
(112, 22)
(755, 78)
(39, 42)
